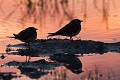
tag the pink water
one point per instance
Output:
(93, 28)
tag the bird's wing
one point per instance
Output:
(67, 29)
(23, 34)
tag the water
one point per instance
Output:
(94, 28)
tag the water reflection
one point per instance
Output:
(42, 12)
(7, 75)
(56, 55)
(33, 69)
(70, 61)
(37, 11)
(32, 73)
(36, 69)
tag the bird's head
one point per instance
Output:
(77, 20)
(32, 28)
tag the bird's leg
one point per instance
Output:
(29, 58)
(26, 58)
(71, 38)
(47, 37)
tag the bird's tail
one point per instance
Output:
(12, 36)
(15, 34)
(51, 34)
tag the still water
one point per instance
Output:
(94, 27)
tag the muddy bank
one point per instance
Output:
(55, 46)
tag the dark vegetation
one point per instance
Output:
(37, 11)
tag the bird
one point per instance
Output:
(27, 35)
(71, 29)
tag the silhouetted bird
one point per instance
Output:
(27, 35)
(71, 29)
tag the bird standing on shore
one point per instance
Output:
(71, 29)
(27, 35)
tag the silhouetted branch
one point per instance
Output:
(95, 3)
(1, 2)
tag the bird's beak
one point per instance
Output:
(36, 28)
(81, 20)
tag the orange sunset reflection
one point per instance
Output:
(101, 22)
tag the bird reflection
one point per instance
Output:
(71, 62)
(7, 75)
(34, 69)
(33, 73)
(24, 52)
